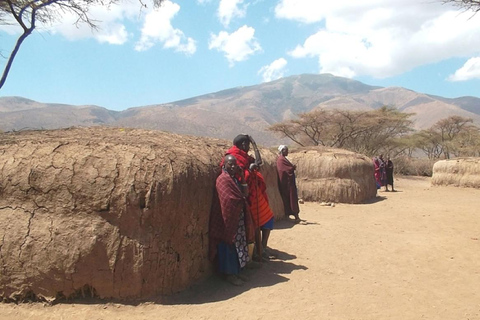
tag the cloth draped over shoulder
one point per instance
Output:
(380, 172)
(389, 171)
(243, 159)
(287, 185)
(258, 199)
(257, 189)
(227, 205)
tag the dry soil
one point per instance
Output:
(410, 254)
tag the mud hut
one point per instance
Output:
(461, 172)
(107, 212)
(333, 175)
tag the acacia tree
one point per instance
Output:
(26, 14)
(454, 135)
(367, 132)
(449, 130)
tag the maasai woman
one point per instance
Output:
(380, 172)
(287, 183)
(230, 224)
(389, 174)
(259, 207)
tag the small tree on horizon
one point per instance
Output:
(367, 132)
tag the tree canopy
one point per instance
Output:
(385, 130)
(366, 132)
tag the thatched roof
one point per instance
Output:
(460, 172)
(333, 175)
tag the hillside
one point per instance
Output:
(251, 109)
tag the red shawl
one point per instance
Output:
(225, 214)
(258, 199)
(243, 159)
(287, 185)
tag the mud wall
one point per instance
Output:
(122, 213)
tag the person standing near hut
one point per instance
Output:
(380, 173)
(230, 225)
(389, 174)
(383, 172)
(259, 207)
(287, 183)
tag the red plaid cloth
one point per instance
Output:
(225, 214)
(257, 199)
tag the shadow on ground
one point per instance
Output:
(290, 223)
(375, 200)
(216, 289)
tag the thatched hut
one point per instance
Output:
(333, 175)
(460, 172)
(116, 213)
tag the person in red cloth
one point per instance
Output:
(287, 183)
(231, 227)
(261, 212)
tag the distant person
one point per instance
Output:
(230, 224)
(389, 174)
(287, 184)
(380, 173)
(260, 210)
(383, 172)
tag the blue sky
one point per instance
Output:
(194, 47)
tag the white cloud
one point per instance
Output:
(158, 28)
(470, 70)
(274, 70)
(111, 20)
(237, 46)
(229, 9)
(381, 38)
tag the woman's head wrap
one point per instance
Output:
(281, 147)
(240, 139)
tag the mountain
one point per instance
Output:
(251, 109)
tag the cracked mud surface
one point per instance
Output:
(122, 212)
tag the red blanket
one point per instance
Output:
(258, 199)
(287, 185)
(243, 159)
(225, 213)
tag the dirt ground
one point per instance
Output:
(412, 254)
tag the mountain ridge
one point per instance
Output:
(249, 109)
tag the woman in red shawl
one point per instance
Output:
(287, 183)
(231, 226)
(262, 215)
(380, 172)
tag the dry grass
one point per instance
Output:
(334, 175)
(461, 172)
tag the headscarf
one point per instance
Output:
(240, 138)
(281, 147)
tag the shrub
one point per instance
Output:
(414, 166)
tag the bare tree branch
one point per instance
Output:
(26, 13)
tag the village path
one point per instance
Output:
(411, 254)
